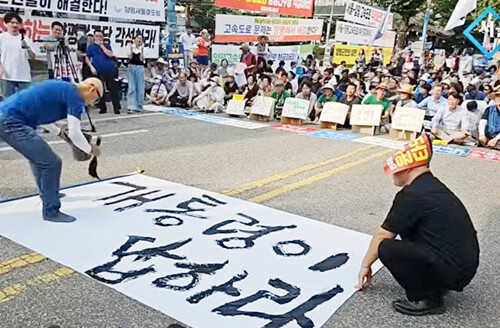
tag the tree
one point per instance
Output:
(403, 10)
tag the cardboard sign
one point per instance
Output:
(334, 112)
(366, 115)
(408, 119)
(204, 259)
(296, 108)
(263, 106)
(235, 107)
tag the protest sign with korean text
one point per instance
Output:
(334, 112)
(291, 8)
(119, 34)
(350, 54)
(204, 259)
(366, 15)
(366, 115)
(234, 28)
(147, 10)
(236, 107)
(408, 119)
(263, 106)
(363, 35)
(296, 108)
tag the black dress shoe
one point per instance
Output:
(102, 111)
(423, 307)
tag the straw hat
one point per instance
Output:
(406, 88)
(161, 61)
(382, 85)
(496, 91)
(328, 86)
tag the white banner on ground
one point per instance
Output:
(296, 108)
(147, 10)
(38, 28)
(232, 54)
(366, 15)
(202, 258)
(239, 28)
(363, 35)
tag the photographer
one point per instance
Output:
(15, 52)
(51, 43)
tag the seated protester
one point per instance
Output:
(292, 78)
(158, 94)
(230, 87)
(212, 99)
(379, 99)
(222, 69)
(327, 96)
(438, 248)
(474, 94)
(160, 67)
(424, 93)
(405, 93)
(489, 126)
(447, 124)
(350, 98)
(307, 94)
(433, 104)
(251, 89)
(280, 94)
(196, 85)
(266, 86)
(315, 82)
(281, 68)
(472, 116)
(182, 93)
(174, 70)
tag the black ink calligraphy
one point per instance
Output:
(332, 262)
(279, 249)
(226, 288)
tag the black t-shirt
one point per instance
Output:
(426, 212)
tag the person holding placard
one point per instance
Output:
(307, 94)
(327, 96)
(438, 250)
(406, 93)
(280, 94)
(379, 99)
(350, 99)
(251, 89)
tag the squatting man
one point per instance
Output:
(43, 105)
(438, 250)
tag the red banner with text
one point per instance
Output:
(302, 8)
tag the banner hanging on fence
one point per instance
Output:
(235, 28)
(291, 8)
(349, 54)
(366, 15)
(38, 28)
(148, 10)
(362, 35)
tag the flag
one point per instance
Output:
(382, 26)
(458, 16)
(486, 39)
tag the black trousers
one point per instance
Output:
(420, 272)
(108, 79)
(178, 101)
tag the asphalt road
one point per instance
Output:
(217, 158)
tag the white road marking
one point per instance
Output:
(119, 117)
(116, 134)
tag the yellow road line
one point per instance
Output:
(290, 173)
(7, 293)
(317, 177)
(20, 261)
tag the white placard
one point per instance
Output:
(152, 10)
(38, 28)
(174, 248)
(334, 112)
(296, 108)
(239, 28)
(263, 106)
(408, 119)
(363, 35)
(235, 107)
(366, 115)
(366, 15)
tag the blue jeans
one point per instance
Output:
(45, 164)
(11, 87)
(135, 93)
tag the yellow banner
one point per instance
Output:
(351, 53)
